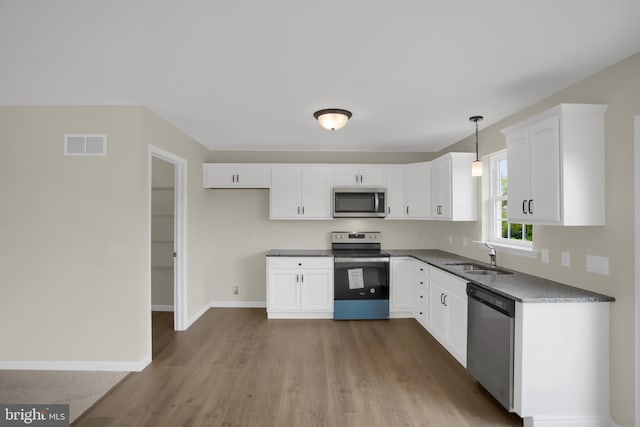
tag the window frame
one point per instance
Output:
(495, 199)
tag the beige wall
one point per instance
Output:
(74, 252)
(618, 86)
(66, 293)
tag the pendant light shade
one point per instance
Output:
(476, 166)
(332, 118)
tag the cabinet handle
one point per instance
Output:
(298, 210)
(301, 278)
(233, 178)
(360, 179)
(445, 300)
(442, 298)
(407, 210)
(297, 278)
(388, 210)
(524, 207)
(530, 211)
(238, 178)
(303, 210)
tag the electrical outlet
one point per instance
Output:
(565, 259)
(544, 256)
(236, 290)
(598, 264)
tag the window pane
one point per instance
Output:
(505, 229)
(516, 231)
(502, 174)
(529, 233)
(504, 209)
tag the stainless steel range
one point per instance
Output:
(361, 276)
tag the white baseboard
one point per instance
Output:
(586, 421)
(238, 304)
(127, 366)
(162, 308)
(225, 304)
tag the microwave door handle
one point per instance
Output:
(376, 202)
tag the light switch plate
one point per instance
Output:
(565, 258)
(598, 264)
(544, 256)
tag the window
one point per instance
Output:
(501, 230)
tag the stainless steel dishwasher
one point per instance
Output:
(490, 342)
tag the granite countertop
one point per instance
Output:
(520, 287)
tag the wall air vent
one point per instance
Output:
(85, 145)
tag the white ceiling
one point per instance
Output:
(248, 75)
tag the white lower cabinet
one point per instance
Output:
(448, 312)
(300, 287)
(407, 276)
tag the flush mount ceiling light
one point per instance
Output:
(332, 118)
(476, 166)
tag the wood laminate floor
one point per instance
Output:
(234, 367)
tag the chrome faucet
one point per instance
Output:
(492, 255)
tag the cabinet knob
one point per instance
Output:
(299, 263)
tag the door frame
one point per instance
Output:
(179, 237)
(636, 192)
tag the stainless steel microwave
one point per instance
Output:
(359, 202)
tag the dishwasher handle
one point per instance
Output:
(497, 302)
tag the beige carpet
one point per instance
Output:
(80, 389)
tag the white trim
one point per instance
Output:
(567, 421)
(238, 304)
(157, 307)
(125, 366)
(199, 314)
(180, 236)
(636, 176)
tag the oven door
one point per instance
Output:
(361, 278)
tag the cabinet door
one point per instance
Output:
(456, 326)
(316, 290)
(251, 176)
(285, 193)
(372, 177)
(316, 193)
(283, 291)
(403, 286)
(441, 189)
(518, 171)
(437, 312)
(416, 192)
(544, 140)
(219, 175)
(346, 176)
(395, 193)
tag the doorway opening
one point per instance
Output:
(167, 246)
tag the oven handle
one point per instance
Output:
(345, 260)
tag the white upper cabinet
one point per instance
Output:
(394, 183)
(453, 189)
(300, 192)
(556, 168)
(417, 201)
(360, 176)
(225, 175)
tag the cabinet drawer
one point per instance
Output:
(421, 315)
(423, 299)
(300, 262)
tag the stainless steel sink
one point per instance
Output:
(488, 272)
(478, 269)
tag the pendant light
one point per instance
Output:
(332, 118)
(476, 166)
